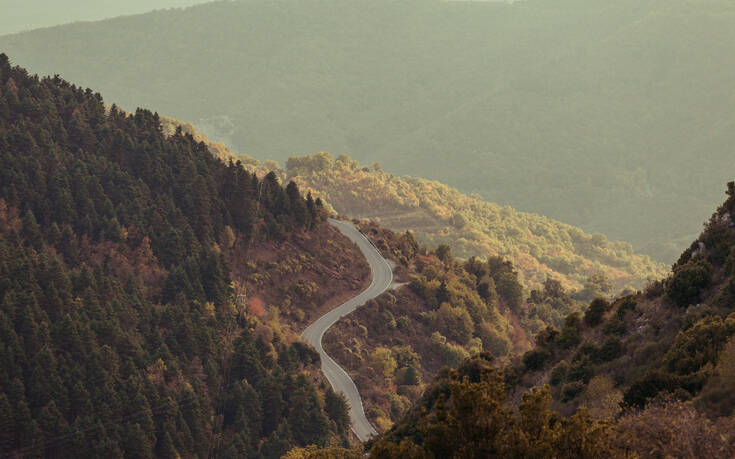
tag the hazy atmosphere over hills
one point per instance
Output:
(613, 116)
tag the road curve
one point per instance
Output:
(382, 277)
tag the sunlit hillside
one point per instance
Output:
(439, 214)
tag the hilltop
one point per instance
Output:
(612, 116)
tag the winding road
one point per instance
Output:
(382, 277)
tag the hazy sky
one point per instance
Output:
(19, 15)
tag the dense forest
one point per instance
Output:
(119, 330)
(614, 116)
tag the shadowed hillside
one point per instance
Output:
(150, 294)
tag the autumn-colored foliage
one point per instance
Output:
(445, 311)
(465, 413)
(537, 246)
(256, 307)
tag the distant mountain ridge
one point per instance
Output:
(612, 116)
(21, 15)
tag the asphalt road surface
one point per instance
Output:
(382, 277)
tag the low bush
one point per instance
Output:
(688, 281)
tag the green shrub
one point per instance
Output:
(455, 323)
(594, 313)
(493, 341)
(571, 390)
(580, 371)
(408, 376)
(699, 344)
(688, 282)
(718, 394)
(610, 349)
(548, 337)
(730, 262)
(627, 304)
(616, 326)
(649, 386)
(454, 355)
(726, 297)
(570, 333)
(535, 359)
(451, 354)
(559, 373)
(586, 349)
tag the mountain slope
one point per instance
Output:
(671, 338)
(657, 365)
(437, 214)
(539, 247)
(142, 282)
(440, 311)
(648, 375)
(612, 116)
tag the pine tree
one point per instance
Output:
(278, 443)
(7, 440)
(136, 443)
(32, 230)
(336, 407)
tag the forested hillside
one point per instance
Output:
(442, 311)
(139, 294)
(650, 374)
(437, 214)
(646, 375)
(611, 116)
(676, 337)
